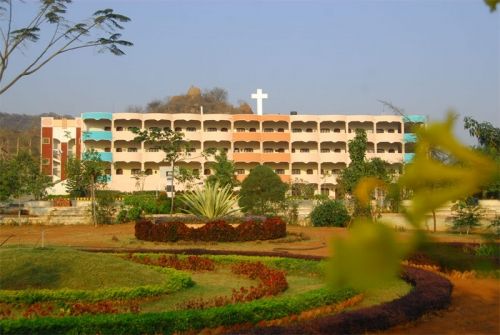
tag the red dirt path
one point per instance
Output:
(475, 307)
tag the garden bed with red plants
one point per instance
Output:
(243, 310)
(219, 231)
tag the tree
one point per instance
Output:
(225, 171)
(20, 175)
(360, 168)
(97, 31)
(488, 137)
(262, 191)
(85, 175)
(172, 143)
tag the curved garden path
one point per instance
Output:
(475, 307)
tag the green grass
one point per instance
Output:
(57, 268)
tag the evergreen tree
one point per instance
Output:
(262, 191)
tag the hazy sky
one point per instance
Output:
(315, 57)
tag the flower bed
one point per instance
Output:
(219, 231)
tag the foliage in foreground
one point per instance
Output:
(211, 202)
(371, 254)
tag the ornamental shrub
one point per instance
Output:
(219, 231)
(330, 213)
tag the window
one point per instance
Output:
(336, 171)
(236, 150)
(295, 171)
(46, 140)
(224, 130)
(391, 131)
(45, 161)
(281, 130)
(296, 130)
(119, 128)
(337, 150)
(107, 128)
(152, 150)
(191, 150)
(119, 171)
(309, 171)
(325, 150)
(132, 149)
(248, 150)
(207, 172)
(268, 130)
(304, 149)
(280, 150)
(240, 130)
(193, 129)
(391, 151)
(293, 150)
(380, 151)
(322, 171)
(135, 171)
(324, 130)
(107, 149)
(178, 129)
(379, 130)
(268, 150)
(118, 149)
(325, 191)
(225, 149)
(148, 172)
(309, 130)
(336, 130)
(252, 130)
(279, 171)
(166, 128)
(211, 130)
(240, 171)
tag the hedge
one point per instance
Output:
(176, 281)
(177, 321)
(219, 231)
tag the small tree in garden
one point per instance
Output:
(225, 171)
(262, 191)
(360, 168)
(172, 143)
(212, 202)
(330, 213)
(85, 175)
(467, 214)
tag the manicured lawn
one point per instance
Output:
(56, 268)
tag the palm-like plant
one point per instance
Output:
(211, 202)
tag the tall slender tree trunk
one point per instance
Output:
(92, 195)
(172, 191)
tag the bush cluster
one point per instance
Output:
(219, 231)
(330, 213)
(135, 205)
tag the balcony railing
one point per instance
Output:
(97, 135)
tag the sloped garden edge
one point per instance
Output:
(431, 292)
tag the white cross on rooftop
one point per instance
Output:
(259, 96)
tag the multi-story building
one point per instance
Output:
(308, 149)
(60, 138)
